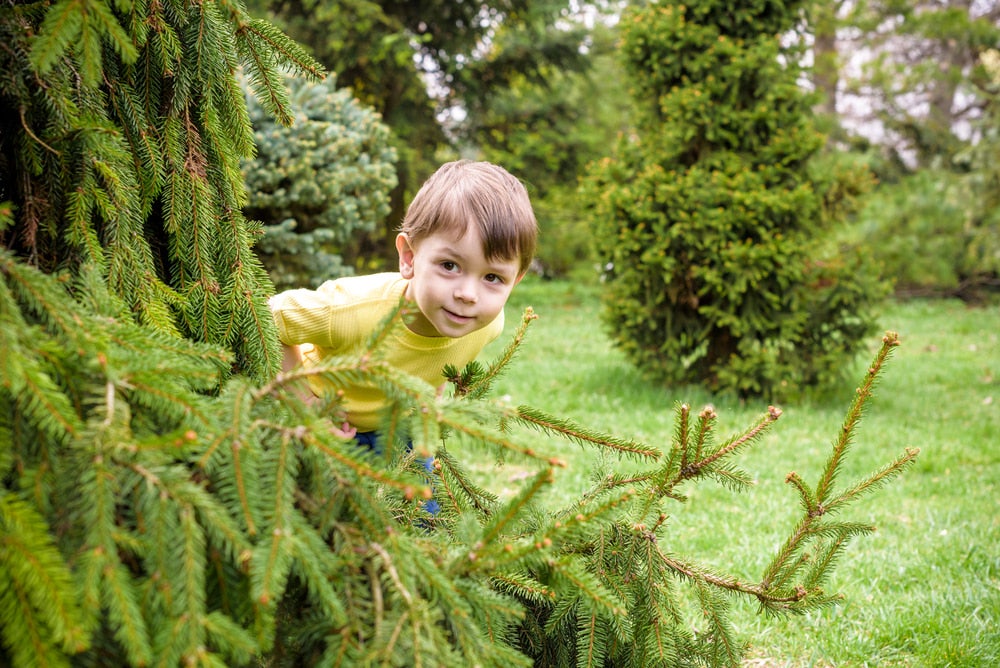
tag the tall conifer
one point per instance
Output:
(715, 225)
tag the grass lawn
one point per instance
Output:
(925, 589)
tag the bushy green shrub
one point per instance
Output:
(714, 232)
(915, 230)
(316, 184)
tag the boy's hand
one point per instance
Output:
(345, 431)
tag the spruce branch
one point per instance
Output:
(522, 585)
(682, 443)
(79, 23)
(263, 48)
(476, 385)
(285, 50)
(360, 467)
(854, 414)
(455, 484)
(568, 429)
(722, 646)
(39, 598)
(790, 558)
(875, 481)
(584, 589)
(482, 434)
(507, 514)
(736, 443)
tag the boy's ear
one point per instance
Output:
(405, 250)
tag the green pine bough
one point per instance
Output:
(150, 515)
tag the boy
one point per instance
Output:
(466, 240)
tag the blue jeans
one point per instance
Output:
(369, 439)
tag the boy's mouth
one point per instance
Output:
(457, 317)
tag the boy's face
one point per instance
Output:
(457, 290)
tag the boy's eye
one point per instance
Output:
(448, 265)
(493, 278)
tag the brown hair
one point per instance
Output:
(466, 192)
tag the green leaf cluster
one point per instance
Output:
(710, 221)
(318, 182)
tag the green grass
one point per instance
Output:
(922, 591)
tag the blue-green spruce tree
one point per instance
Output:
(317, 184)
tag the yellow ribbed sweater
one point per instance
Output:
(338, 317)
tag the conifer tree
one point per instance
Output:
(317, 184)
(717, 234)
(166, 499)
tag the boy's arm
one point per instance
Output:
(291, 355)
(292, 358)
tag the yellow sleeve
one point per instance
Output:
(338, 315)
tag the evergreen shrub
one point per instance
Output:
(317, 183)
(714, 232)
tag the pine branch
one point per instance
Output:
(523, 586)
(722, 646)
(456, 484)
(875, 481)
(285, 50)
(475, 383)
(734, 444)
(507, 514)
(853, 417)
(585, 590)
(315, 564)
(39, 596)
(480, 434)
(262, 47)
(568, 429)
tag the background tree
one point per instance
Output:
(547, 129)
(414, 61)
(944, 239)
(916, 79)
(920, 75)
(317, 184)
(709, 213)
(121, 151)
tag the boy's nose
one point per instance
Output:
(465, 293)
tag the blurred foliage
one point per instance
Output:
(547, 131)
(714, 233)
(317, 183)
(916, 78)
(415, 62)
(936, 231)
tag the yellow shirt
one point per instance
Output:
(338, 317)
